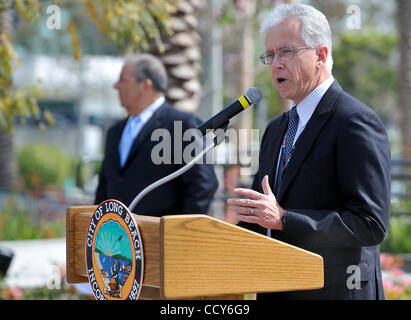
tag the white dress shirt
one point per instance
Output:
(145, 115)
(306, 107)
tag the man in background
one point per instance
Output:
(128, 165)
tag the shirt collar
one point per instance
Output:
(306, 107)
(146, 114)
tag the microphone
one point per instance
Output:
(221, 119)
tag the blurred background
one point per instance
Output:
(59, 60)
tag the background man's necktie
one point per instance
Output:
(127, 139)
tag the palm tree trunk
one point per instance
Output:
(404, 11)
(182, 58)
(246, 63)
(7, 161)
(7, 158)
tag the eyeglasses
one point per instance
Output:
(282, 53)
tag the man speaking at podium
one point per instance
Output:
(128, 166)
(323, 182)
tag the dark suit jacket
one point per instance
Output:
(336, 190)
(192, 192)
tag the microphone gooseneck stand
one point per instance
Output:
(216, 141)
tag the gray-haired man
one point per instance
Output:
(323, 182)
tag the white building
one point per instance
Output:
(79, 94)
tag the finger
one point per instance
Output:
(266, 186)
(248, 218)
(248, 193)
(244, 202)
(242, 210)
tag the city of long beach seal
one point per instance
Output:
(114, 253)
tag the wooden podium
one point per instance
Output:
(197, 256)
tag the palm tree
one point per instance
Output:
(7, 163)
(182, 57)
(404, 10)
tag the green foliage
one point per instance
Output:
(132, 24)
(30, 10)
(17, 223)
(64, 292)
(399, 235)
(366, 66)
(41, 165)
(271, 95)
(5, 4)
(20, 102)
(398, 239)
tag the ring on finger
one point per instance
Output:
(252, 211)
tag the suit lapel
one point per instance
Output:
(309, 135)
(117, 138)
(271, 152)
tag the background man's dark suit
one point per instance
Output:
(192, 192)
(336, 192)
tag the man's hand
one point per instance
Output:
(260, 208)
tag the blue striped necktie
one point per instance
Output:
(287, 148)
